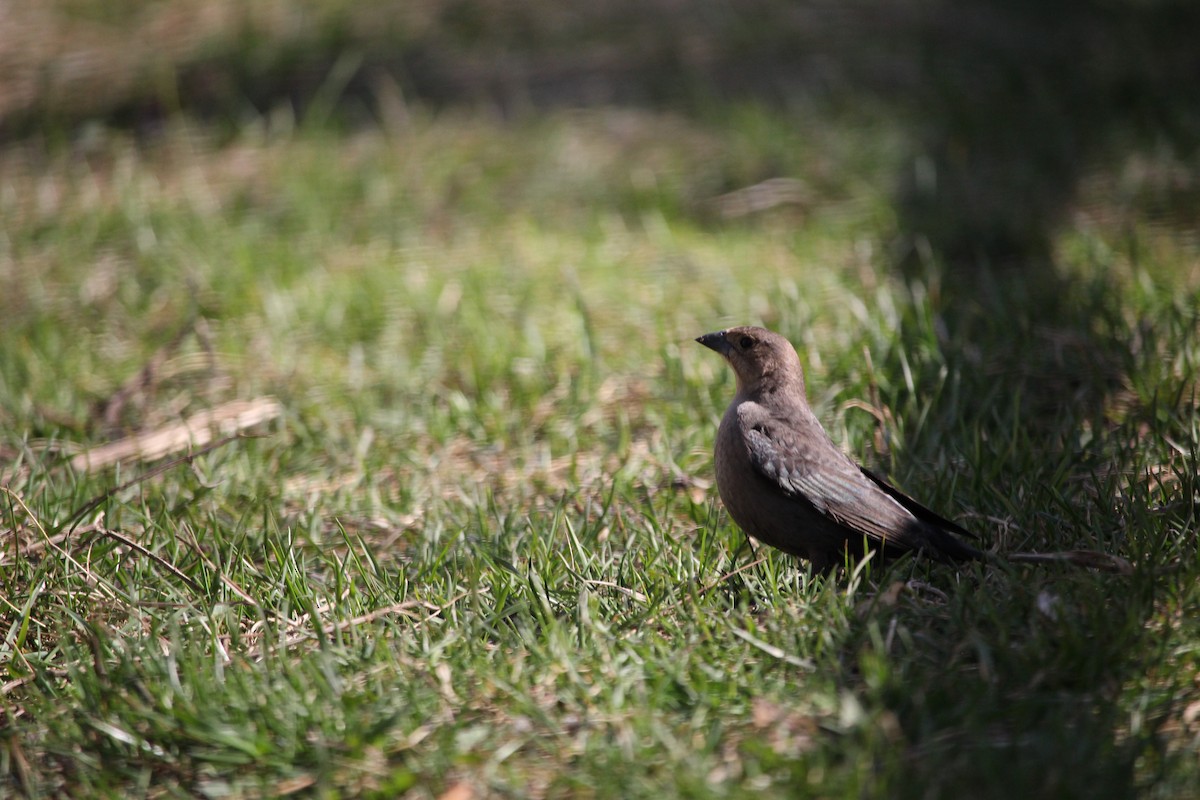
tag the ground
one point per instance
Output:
(368, 455)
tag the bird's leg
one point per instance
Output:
(750, 544)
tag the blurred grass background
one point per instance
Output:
(455, 254)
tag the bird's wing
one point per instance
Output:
(805, 465)
(916, 509)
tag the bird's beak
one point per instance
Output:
(715, 341)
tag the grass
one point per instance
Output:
(480, 550)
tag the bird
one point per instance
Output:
(785, 482)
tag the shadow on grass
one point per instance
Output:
(1036, 682)
(1039, 681)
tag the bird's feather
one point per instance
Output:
(919, 511)
(832, 484)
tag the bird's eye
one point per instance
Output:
(745, 342)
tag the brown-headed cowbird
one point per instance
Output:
(786, 483)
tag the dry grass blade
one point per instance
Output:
(157, 559)
(195, 431)
(760, 197)
(404, 608)
(631, 593)
(729, 575)
(772, 650)
(190, 540)
(1084, 559)
(75, 518)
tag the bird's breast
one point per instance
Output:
(734, 470)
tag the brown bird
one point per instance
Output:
(786, 483)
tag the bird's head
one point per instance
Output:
(763, 361)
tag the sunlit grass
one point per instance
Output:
(482, 545)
